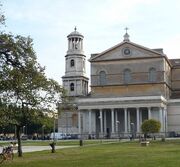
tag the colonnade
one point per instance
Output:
(160, 115)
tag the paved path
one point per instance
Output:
(41, 148)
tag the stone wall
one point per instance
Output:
(129, 90)
(139, 84)
(176, 83)
(173, 117)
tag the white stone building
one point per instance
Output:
(129, 84)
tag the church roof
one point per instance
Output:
(155, 51)
(175, 63)
(127, 43)
(75, 33)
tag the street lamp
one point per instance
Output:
(24, 130)
(43, 132)
(54, 128)
(118, 128)
(100, 119)
(66, 123)
(132, 130)
(3, 131)
(15, 132)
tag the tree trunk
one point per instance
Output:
(53, 150)
(19, 141)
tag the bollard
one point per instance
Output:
(163, 139)
(81, 142)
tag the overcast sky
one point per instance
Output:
(151, 23)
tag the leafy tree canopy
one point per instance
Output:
(2, 18)
(24, 88)
(150, 126)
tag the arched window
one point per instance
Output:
(152, 74)
(72, 86)
(102, 78)
(127, 76)
(72, 63)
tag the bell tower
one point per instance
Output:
(75, 80)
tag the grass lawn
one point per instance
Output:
(66, 142)
(131, 154)
(58, 142)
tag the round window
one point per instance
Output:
(126, 51)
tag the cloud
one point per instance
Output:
(102, 23)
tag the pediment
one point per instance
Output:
(126, 50)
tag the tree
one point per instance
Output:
(67, 112)
(67, 103)
(44, 123)
(150, 126)
(25, 91)
(2, 18)
(24, 88)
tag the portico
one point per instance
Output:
(113, 115)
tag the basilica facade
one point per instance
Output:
(130, 83)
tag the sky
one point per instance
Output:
(151, 23)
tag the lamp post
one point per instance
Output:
(43, 132)
(118, 128)
(15, 132)
(3, 132)
(100, 127)
(132, 130)
(54, 128)
(100, 119)
(66, 123)
(24, 130)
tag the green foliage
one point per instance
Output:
(25, 91)
(2, 17)
(24, 86)
(43, 121)
(67, 103)
(150, 126)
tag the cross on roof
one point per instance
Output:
(126, 35)
(126, 29)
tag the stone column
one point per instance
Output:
(71, 44)
(129, 120)
(68, 44)
(90, 128)
(79, 121)
(149, 112)
(101, 121)
(112, 120)
(125, 120)
(140, 118)
(116, 120)
(137, 120)
(160, 118)
(165, 119)
(81, 44)
(105, 123)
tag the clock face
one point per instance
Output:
(126, 51)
